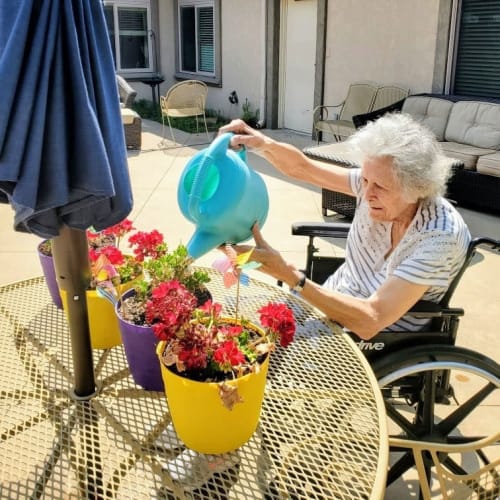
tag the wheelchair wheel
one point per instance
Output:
(440, 394)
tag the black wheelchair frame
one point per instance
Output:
(414, 369)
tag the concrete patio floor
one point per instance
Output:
(155, 171)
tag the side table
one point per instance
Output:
(339, 154)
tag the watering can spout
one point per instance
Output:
(202, 242)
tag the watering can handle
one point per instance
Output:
(218, 147)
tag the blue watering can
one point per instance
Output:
(222, 196)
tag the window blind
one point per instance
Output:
(477, 69)
(206, 39)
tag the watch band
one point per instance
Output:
(299, 286)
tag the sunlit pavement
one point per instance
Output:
(155, 172)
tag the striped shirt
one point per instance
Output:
(431, 253)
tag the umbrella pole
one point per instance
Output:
(70, 252)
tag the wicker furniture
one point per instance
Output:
(126, 92)
(132, 126)
(337, 153)
(132, 123)
(468, 129)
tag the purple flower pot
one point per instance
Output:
(49, 272)
(140, 343)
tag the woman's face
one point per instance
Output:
(382, 191)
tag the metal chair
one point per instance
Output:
(336, 119)
(389, 94)
(483, 482)
(183, 100)
(435, 392)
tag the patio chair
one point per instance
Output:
(432, 388)
(389, 94)
(182, 100)
(483, 482)
(336, 119)
(126, 92)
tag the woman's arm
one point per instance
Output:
(288, 159)
(364, 317)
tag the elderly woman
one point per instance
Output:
(406, 241)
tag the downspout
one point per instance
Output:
(263, 28)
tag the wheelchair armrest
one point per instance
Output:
(428, 309)
(321, 229)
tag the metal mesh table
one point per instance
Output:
(321, 433)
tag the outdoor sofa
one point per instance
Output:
(132, 122)
(468, 130)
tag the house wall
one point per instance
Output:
(388, 41)
(242, 57)
(241, 54)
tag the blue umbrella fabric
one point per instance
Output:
(62, 148)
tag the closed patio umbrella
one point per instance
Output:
(63, 164)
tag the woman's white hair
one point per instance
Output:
(418, 161)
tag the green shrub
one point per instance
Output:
(146, 109)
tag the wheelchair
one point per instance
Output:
(434, 391)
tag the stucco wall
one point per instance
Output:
(241, 52)
(241, 56)
(388, 41)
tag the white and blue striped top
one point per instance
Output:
(430, 253)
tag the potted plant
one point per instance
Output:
(44, 250)
(214, 367)
(249, 116)
(108, 265)
(159, 265)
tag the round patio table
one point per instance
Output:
(322, 431)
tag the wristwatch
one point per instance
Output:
(299, 286)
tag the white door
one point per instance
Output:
(298, 52)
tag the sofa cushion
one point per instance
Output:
(430, 111)
(128, 116)
(489, 165)
(474, 123)
(468, 155)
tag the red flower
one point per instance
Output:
(233, 331)
(279, 319)
(228, 355)
(212, 309)
(113, 254)
(147, 244)
(169, 308)
(200, 341)
(119, 230)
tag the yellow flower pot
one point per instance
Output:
(103, 323)
(199, 417)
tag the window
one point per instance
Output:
(129, 24)
(198, 39)
(478, 52)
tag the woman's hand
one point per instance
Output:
(244, 135)
(271, 261)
